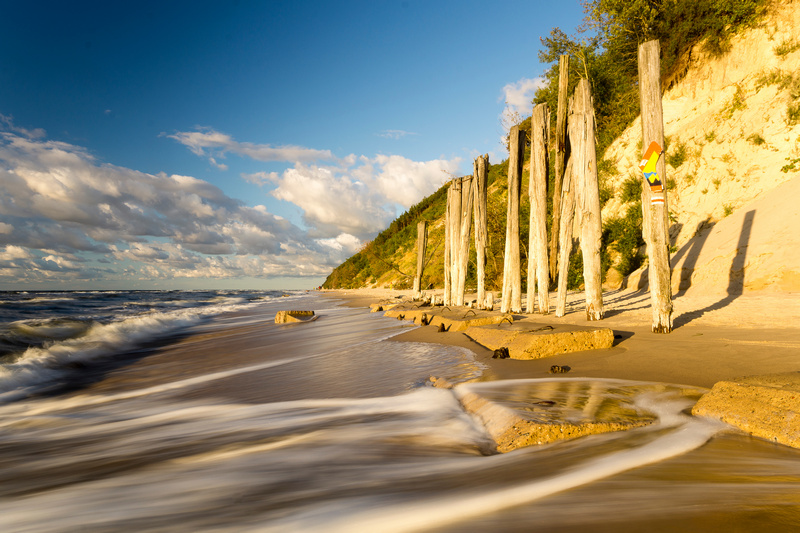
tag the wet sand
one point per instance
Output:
(715, 338)
(212, 429)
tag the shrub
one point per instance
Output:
(792, 166)
(736, 103)
(631, 190)
(624, 236)
(773, 77)
(787, 47)
(677, 156)
(793, 113)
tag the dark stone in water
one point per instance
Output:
(501, 353)
(559, 369)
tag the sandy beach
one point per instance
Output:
(241, 423)
(716, 337)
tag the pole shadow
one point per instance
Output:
(735, 275)
(692, 253)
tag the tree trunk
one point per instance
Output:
(587, 195)
(561, 155)
(537, 243)
(422, 243)
(512, 277)
(655, 213)
(481, 174)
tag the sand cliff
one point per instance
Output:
(733, 203)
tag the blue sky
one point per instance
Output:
(241, 144)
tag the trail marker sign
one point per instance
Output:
(648, 167)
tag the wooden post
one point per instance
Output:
(463, 243)
(447, 223)
(512, 277)
(561, 154)
(481, 174)
(455, 237)
(655, 215)
(537, 190)
(422, 243)
(587, 196)
(565, 237)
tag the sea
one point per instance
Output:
(194, 411)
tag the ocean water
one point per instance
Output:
(193, 411)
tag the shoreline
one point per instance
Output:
(711, 342)
(722, 344)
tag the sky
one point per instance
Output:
(242, 144)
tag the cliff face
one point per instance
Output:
(733, 130)
(733, 174)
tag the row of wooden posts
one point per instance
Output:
(576, 203)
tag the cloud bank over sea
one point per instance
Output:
(68, 218)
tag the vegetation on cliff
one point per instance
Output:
(604, 51)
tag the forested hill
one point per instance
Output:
(605, 52)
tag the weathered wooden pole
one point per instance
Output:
(480, 176)
(454, 233)
(565, 237)
(455, 237)
(463, 243)
(422, 243)
(512, 277)
(560, 159)
(537, 190)
(447, 223)
(587, 196)
(655, 213)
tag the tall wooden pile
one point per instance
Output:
(581, 196)
(512, 277)
(422, 243)
(655, 219)
(560, 159)
(458, 224)
(480, 179)
(537, 190)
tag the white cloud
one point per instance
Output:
(261, 178)
(63, 215)
(360, 197)
(519, 95)
(7, 122)
(208, 142)
(395, 134)
(406, 182)
(344, 242)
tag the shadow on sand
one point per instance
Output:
(735, 274)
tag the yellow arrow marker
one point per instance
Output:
(648, 167)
